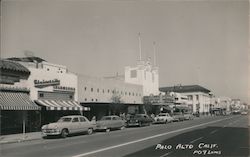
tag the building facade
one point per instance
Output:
(53, 88)
(16, 107)
(144, 74)
(199, 98)
(108, 96)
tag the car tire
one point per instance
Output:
(140, 124)
(64, 133)
(107, 130)
(90, 131)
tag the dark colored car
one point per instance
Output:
(139, 120)
(108, 123)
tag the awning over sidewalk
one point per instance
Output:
(61, 105)
(16, 101)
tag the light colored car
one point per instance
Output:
(178, 116)
(163, 118)
(68, 125)
(188, 116)
(108, 123)
(244, 113)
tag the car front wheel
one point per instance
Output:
(64, 133)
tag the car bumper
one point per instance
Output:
(51, 132)
(133, 124)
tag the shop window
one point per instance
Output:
(41, 95)
(96, 99)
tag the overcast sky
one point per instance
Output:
(197, 42)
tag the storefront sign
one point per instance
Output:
(62, 88)
(46, 83)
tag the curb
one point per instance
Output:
(19, 140)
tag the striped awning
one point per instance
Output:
(16, 101)
(61, 105)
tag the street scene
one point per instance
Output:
(124, 78)
(210, 136)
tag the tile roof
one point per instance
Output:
(13, 66)
(184, 89)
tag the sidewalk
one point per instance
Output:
(16, 138)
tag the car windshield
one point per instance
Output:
(162, 115)
(138, 116)
(106, 118)
(177, 113)
(65, 119)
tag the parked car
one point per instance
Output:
(108, 123)
(178, 116)
(188, 116)
(163, 118)
(139, 120)
(68, 125)
(244, 113)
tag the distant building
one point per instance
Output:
(198, 96)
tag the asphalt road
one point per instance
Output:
(210, 136)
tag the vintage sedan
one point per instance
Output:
(163, 118)
(108, 123)
(139, 120)
(68, 125)
(178, 116)
(188, 116)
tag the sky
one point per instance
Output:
(197, 41)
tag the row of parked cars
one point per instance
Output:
(76, 124)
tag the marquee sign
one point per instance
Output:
(64, 89)
(46, 83)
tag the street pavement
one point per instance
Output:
(207, 136)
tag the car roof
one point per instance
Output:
(111, 116)
(72, 116)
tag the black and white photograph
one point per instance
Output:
(124, 78)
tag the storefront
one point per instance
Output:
(53, 88)
(18, 114)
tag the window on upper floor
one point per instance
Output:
(197, 97)
(97, 90)
(133, 73)
(92, 89)
(85, 88)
